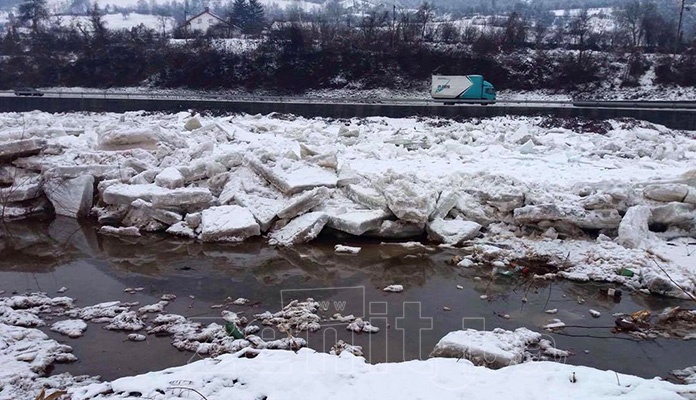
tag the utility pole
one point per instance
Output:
(185, 19)
(679, 26)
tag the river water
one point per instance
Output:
(45, 255)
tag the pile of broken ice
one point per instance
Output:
(215, 192)
(230, 179)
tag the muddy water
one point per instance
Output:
(47, 255)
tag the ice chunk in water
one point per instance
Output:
(302, 229)
(452, 231)
(228, 223)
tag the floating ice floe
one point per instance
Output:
(394, 288)
(73, 328)
(342, 249)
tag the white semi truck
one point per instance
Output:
(462, 88)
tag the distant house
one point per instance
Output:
(202, 22)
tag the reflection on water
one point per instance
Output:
(44, 255)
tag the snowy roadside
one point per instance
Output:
(597, 197)
(647, 91)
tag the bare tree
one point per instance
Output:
(34, 11)
(424, 16)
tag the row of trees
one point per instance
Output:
(381, 49)
(637, 24)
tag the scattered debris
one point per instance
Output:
(362, 326)
(240, 301)
(342, 346)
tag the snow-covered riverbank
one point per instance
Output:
(590, 197)
(243, 364)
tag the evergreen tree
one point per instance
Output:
(34, 11)
(248, 15)
(255, 17)
(239, 13)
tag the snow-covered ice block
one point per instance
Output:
(347, 176)
(262, 208)
(532, 214)
(657, 282)
(471, 209)
(452, 231)
(182, 197)
(494, 349)
(21, 148)
(70, 327)
(576, 215)
(666, 192)
(113, 136)
(597, 219)
(633, 229)
(192, 124)
(366, 196)
(295, 179)
(126, 194)
(302, 229)
(357, 222)
(193, 220)
(143, 215)
(674, 214)
(304, 202)
(170, 178)
(21, 191)
(445, 203)
(71, 197)
(506, 200)
(109, 215)
(228, 223)
(145, 177)
(181, 229)
(74, 171)
(408, 197)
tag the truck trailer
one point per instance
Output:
(462, 88)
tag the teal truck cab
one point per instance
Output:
(462, 88)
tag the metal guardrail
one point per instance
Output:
(684, 105)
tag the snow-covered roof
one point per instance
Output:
(206, 11)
